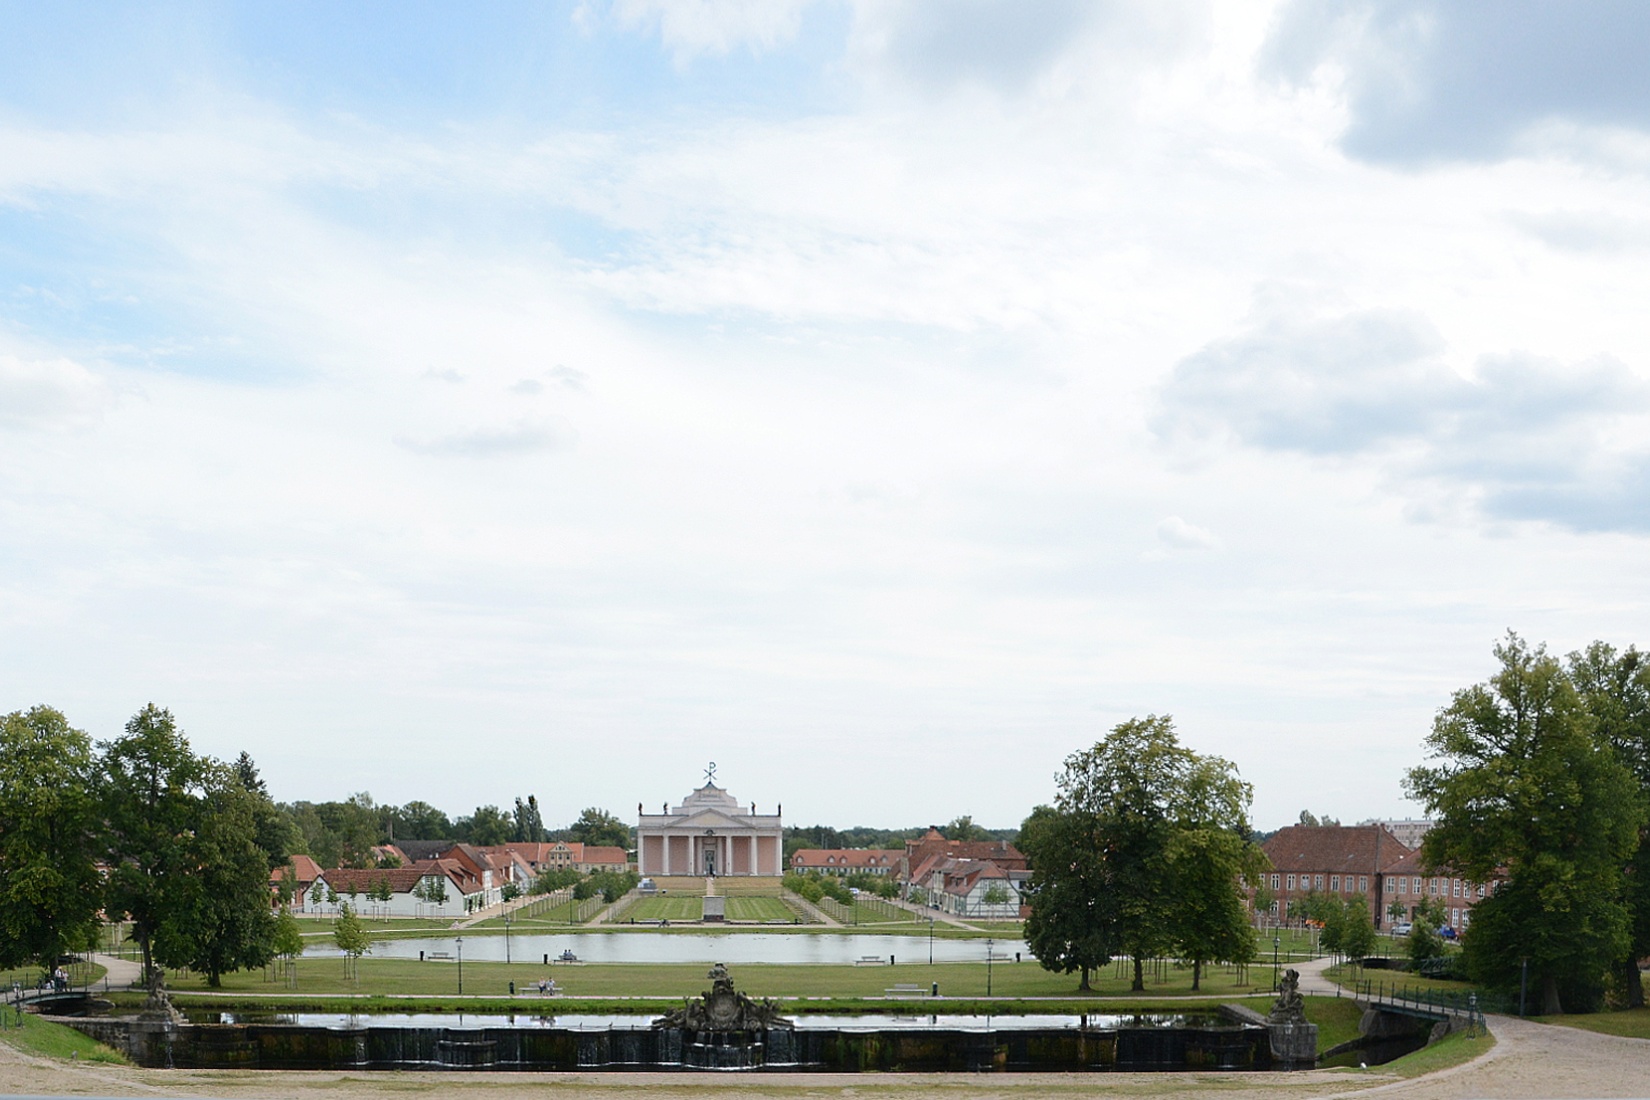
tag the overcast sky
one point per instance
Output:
(880, 399)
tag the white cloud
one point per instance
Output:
(696, 28)
(1180, 535)
(48, 393)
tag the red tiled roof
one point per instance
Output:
(361, 879)
(1337, 849)
(306, 870)
(603, 854)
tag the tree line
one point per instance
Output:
(343, 833)
(1540, 783)
(138, 828)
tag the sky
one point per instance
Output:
(881, 399)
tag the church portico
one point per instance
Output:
(710, 834)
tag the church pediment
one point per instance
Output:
(709, 819)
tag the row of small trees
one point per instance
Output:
(187, 844)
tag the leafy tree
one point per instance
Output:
(274, 831)
(1307, 817)
(1072, 925)
(963, 828)
(1155, 815)
(352, 939)
(529, 822)
(1357, 929)
(995, 894)
(150, 795)
(288, 940)
(558, 878)
(420, 821)
(1396, 911)
(1615, 690)
(49, 883)
(232, 927)
(598, 827)
(1425, 943)
(1524, 788)
(488, 826)
(1209, 854)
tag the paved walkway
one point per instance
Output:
(122, 973)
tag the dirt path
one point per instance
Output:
(1528, 1060)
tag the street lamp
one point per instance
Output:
(460, 965)
(1277, 942)
(989, 944)
(930, 941)
(507, 937)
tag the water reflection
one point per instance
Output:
(734, 947)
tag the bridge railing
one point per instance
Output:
(1466, 1006)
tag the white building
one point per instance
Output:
(710, 833)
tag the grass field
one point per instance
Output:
(405, 977)
(665, 908)
(758, 908)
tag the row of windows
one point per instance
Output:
(1449, 887)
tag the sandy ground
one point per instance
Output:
(1527, 1060)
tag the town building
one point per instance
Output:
(847, 861)
(933, 845)
(438, 888)
(1408, 830)
(710, 833)
(1349, 860)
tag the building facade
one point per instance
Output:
(710, 833)
(1368, 860)
(847, 861)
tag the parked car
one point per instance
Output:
(1446, 931)
(1402, 928)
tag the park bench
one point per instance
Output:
(871, 960)
(439, 955)
(905, 989)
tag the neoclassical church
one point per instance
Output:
(710, 833)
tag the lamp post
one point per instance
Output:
(506, 936)
(989, 944)
(460, 965)
(930, 941)
(1277, 942)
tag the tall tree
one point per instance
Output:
(151, 787)
(232, 927)
(1615, 689)
(529, 823)
(420, 821)
(963, 828)
(275, 833)
(488, 826)
(1168, 835)
(49, 883)
(1209, 853)
(1073, 925)
(1525, 791)
(597, 826)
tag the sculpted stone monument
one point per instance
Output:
(1294, 1041)
(723, 1008)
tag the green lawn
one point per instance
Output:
(1633, 1023)
(665, 908)
(46, 1039)
(758, 908)
(405, 977)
